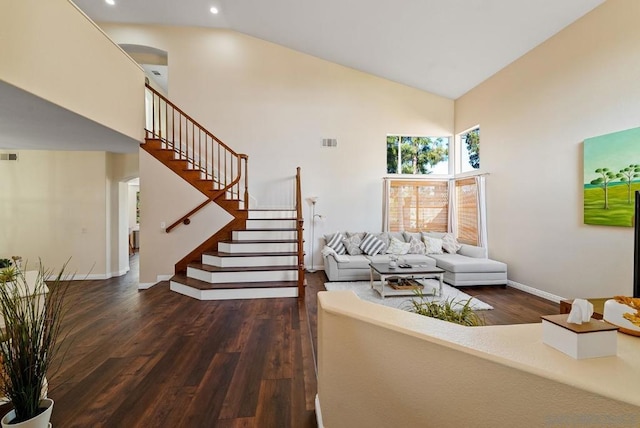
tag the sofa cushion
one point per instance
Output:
(398, 247)
(385, 238)
(416, 246)
(418, 259)
(352, 244)
(458, 263)
(398, 235)
(439, 235)
(450, 243)
(433, 245)
(355, 262)
(335, 242)
(409, 235)
(371, 245)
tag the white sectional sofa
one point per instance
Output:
(468, 266)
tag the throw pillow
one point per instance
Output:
(409, 235)
(416, 246)
(384, 237)
(336, 243)
(434, 245)
(450, 243)
(352, 244)
(360, 235)
(398, 247)
(371, 245)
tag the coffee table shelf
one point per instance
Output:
(422, 272)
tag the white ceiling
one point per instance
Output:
(445, 47)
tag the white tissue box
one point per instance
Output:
(587, 340)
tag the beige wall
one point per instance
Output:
(277, 105)
(57, 205)
(534, 116)
(164, 198)
(54, 51)
(382, 367)
(53, 206)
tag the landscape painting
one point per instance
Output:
(611, 177)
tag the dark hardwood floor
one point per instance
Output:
(155, 358)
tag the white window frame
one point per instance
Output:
(450, 160)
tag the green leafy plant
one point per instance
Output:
(8, 274)
(5, 263)
(447, 310)
(33, 315)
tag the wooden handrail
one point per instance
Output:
(182, 113)
(185, 218)
(216, 162)
(300, 230)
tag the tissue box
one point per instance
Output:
(587, 340)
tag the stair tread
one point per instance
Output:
(203, 285)
(211, 268)
(223, 254)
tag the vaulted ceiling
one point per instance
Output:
(445, 47)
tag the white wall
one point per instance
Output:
(132, 198)
(276, 105)
(534, 116)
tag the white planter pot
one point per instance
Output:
(40, 421)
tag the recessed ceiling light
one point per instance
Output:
(110, 2)
(214, 10)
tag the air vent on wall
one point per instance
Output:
(329, 142)
(9, 156)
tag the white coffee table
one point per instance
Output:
(415, 271)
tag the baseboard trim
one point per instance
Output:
(534, 291)
(146, 285)
(318, 413)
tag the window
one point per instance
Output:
(467, 211)
(417, 155)
(416, 205)
(470, 150)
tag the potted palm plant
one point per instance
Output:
(32, 313)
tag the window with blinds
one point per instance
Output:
(420, 205)
(467, 211)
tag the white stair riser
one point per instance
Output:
(228, 294)
(263, 235)
(271, 224)
(249, 261)
(262, 247)
(242, 276)
(290, 214)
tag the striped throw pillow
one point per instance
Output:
(371, 245)
(336, 244)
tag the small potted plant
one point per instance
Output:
(447, 310)
(32, 313)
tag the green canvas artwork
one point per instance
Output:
(611, 177)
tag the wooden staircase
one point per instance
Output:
(259, 253)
